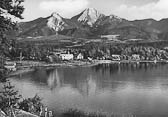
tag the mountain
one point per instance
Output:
(56, 22)
(88, 17)
(156, 28)
(45, 26)
(90, 23)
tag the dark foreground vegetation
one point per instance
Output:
(10, 100)
(78, 113)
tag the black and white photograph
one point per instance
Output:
(83, 58)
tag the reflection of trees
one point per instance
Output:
(90, 80)
(49, 77)
(125, 67)
(38, 76)
(117, 76)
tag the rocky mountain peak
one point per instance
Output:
(55, 22)
(56, 15)
(90, 16)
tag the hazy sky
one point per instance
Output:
(129, 9)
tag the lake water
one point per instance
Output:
(140, 89)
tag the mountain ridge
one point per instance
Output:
(91, 23)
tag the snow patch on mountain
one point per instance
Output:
(56, 22)
(90, 16)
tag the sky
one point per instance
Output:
(128, 9)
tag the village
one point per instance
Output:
(75, 57)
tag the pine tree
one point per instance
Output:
(8, 97)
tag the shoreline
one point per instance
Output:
(32, 65)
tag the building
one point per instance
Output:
(67, 56)
(116, 57)
(51, 58)
(79, 56)
(110, 37)
(89, 58)
(135, 57)
(10, 66)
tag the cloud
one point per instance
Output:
(64, 7)
(156, 10)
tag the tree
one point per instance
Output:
(9, 97)
(9, 11)
(31, 105)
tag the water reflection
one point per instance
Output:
(53, 80)
(133, 67)
(125, 88)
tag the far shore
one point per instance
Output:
(82, 63)
(29, 66)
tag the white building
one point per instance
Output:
(135, 57)
(110, 37)
(67, 56)
(10, 66)
(80, 56)
(116, 57)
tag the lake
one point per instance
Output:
(140, 89)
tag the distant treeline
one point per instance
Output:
(147, 50)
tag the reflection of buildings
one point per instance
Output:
(89, 81)
(89, 87)
(85, 84)
(54, 79)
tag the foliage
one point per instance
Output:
(8, 97)
(3, 73)
(146, 51)
(9, 10)
(31, 105)
(78, 113)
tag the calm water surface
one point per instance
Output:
(125, 88)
